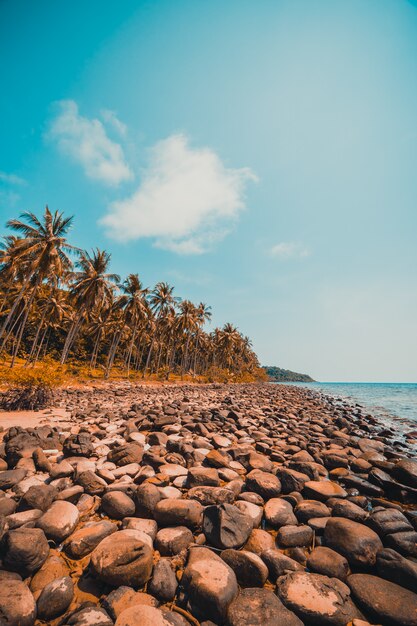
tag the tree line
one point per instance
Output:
(63, 302)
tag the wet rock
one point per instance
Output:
(17, 605)
(55, 598)
(210, 584)
(260, 607)
(163, 584)
(59, 520)
(122, 559)
(317, 599)
(383, 600)
(25, 550)
(356, 542)
(225, 526)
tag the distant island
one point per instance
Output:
(286, 376)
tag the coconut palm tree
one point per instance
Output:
(42, 253)
(91, 287)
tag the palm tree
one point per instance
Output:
(91, 287)
(160, 299)
(42, 252)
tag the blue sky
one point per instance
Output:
(261, 155)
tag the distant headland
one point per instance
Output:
(286, 376)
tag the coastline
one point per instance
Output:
(209, 502)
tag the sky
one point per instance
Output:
(260, 155)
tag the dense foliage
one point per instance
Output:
(280, 375)
(60, 302)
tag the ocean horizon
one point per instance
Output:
(383, 400)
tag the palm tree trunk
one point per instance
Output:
(14, 306)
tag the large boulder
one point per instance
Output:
(356, 542)
(123, 558)
(210, 585)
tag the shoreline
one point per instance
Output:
(195, 502)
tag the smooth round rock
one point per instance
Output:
(172, 540)
(123, 559)
(59, 521)
(317, 599)
(356, 542)
(55, 598)
(249, 568)
(117, 504)
(383, 600)
(210, 583)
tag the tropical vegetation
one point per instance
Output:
(63, 303)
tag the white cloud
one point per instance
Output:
(86, 141)
(111, 118)
(186, 201)
(288, 250)
(12, 179)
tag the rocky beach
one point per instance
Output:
(179, 505)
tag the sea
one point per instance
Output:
(390, 402)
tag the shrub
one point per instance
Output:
(31, 389)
